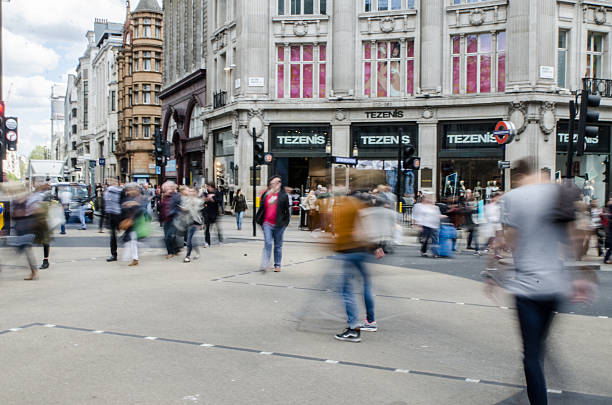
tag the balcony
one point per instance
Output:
(219, 99)
(596, 86)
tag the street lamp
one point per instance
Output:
(328, 147)
(355, 150)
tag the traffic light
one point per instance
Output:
(258, 153)
(407, 153)
(9, 129)
(328, 161)
(587, 117)
(2, 139)
(414, 163)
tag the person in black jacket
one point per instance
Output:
(273, 215)
(212, 202)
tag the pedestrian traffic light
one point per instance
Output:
(407, 153)
(158, 144)
(587, 117)
(258, 153)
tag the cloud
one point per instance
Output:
(25, 57)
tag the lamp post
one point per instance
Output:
(328, 152)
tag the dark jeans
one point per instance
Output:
(170, 237)
(426, 235)
(209, 224)
(473, 236)
(190, 246)
(353, 265)
(535, 317)
(113, 223)
(101, 224)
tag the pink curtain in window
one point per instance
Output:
(322, 71)
(456, 45)
(281, 53)
(472, 75)
(485, 74)
(367, 50)
(472, 44)
(322, 52)
(410, 49)
(295, 53)
(382, 79)
(280, 81)
(456, 75)
(501, 73)
(307, 56)
(410, 77)
(367, 79)
(307, 81)
(295, 81)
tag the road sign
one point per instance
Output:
(11, 123)
(504, 132)
(92, 164)
(503, 164)
(345, 160)
(11, 136)
(102, 162)
(268, 157)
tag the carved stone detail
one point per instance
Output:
(599, 16)
(517, 112)
(476, 17)
(340, 115)
(428, 113)
(387, 24)
(235, 126)
(256, 120)
(547, 119)
(300, 28)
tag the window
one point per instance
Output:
(466, 1)
(196, 128)
(130, 129)
(473, 61)
(299, 7)
(136, 98)
(385, 5)
(146, 61)
(157, 91)
(113, 146)
(85, 104)
(113, 101)
(135, 128)
(386, 67)
(594, 54)
(301, 71)
(158, 29)
(157, 61)
(562, 59)
(147, 28)
(146, 94)
(146, 127)
(136, 63)
(157, 124)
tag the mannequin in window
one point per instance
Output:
(588, 191)
(478, 191)
(488, 190)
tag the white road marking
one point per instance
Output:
(415, 299)
(15, 329)
(49, 325)
(551, 391)
(503, 307)
(460, 303)
(98, 331)
(332, 361)
(266, 353)
(151, 338)
(206, 345)
(472, 380)
(602, 317)
(401, 370)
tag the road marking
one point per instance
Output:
(551, 391)
(206, 345)
(265, 353)
(49, 325)
(98, 331)
(460, 303)
(151, 338)
(332, 361)
(503, 307)
(15, 329)
(602, 317)
(401, 370)
(472, 380)
(415, 299)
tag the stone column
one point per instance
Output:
(432, 20)
(343, 44)
(255, 38)
(428, 151)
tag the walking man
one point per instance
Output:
(212, 204)
(427, 216)
(273, 216)
(112, 210)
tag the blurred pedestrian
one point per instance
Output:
(273, 216)
(427, 216)
(169, 208)
(133, 206)
(38, 207)
(239, 206)
(212, 207)
(597, 226)
(24, 216)
(310, 205)
(64, 196)
(112, 208)
(354, 238)
(191, 210)
(538, 239)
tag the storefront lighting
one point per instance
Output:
(328, 148)
(355, 150)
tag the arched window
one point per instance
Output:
(171, 128)
(195, 124)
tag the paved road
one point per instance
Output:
(217, 331)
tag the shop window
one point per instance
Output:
(386, 66)
(473, 63)
(299, 7)
(594, 54)
(385, 5)
(301, 71)
(562, 48)
(224, 157)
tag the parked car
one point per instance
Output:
(79, 196)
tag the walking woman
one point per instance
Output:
(273, 216)
(239, 207)
(132, 208)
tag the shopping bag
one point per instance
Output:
(142, 227)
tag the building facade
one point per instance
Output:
(139, 65)
(361, 75)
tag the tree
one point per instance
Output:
(39, 153)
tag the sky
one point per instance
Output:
(42, 41)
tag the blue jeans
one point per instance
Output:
(274, 235)
(67, 217)
(190, 233)
(535, 317)
(239, 216)
(170, 237)
(353, 264)
(82, 216)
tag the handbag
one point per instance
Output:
(126, 224)
(142, 227)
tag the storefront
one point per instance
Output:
(468, 158)
(377, 147)
(299, 154)
(589, 168)
(225, 168)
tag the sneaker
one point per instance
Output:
(186, 260)
(196, 257)
(368, 326)
(44, 265)
(206, 245)
(349, 335)
(112, 259)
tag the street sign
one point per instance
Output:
(102, 162)
(268, 157)
(504, 132)
(503, 164)
(92, 164)
(11, 136)
(345, 160)
(11, 123)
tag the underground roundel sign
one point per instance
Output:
(504, 132)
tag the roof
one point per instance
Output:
(148, 5)
(47, 168)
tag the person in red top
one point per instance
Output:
(273, 215)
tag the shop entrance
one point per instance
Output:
(481, 175)
(302, 173)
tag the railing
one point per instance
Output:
(600, 87)
(219, 99)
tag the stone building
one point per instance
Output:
(355, 74)
(139, 84)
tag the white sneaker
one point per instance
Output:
(186, 260)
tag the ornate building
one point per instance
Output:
(139, 66)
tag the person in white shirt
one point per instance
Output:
(427, 215)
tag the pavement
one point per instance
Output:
(218, 331)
